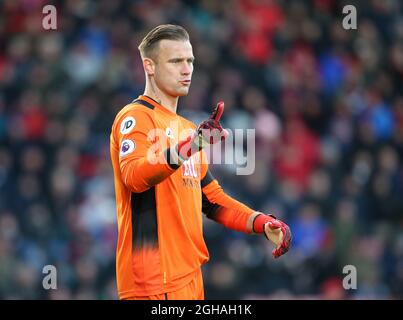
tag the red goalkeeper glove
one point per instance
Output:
(276, 231)
(208, 132)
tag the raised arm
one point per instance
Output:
(143, 163)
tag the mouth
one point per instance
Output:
(185, 82)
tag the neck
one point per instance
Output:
(167, 101)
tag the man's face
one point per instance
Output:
(174, 67)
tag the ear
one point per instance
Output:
(149, 66)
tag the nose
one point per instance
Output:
(186, 69)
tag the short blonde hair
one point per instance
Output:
(162, 32)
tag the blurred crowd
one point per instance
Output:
(326, 103)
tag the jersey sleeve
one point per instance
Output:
(206, 177)
(222, 208)
(143, 163)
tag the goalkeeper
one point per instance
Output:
(163, 184)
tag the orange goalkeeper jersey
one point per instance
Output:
(159, 203)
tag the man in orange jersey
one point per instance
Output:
(163, 184)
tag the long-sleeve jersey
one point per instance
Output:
(160, 203)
